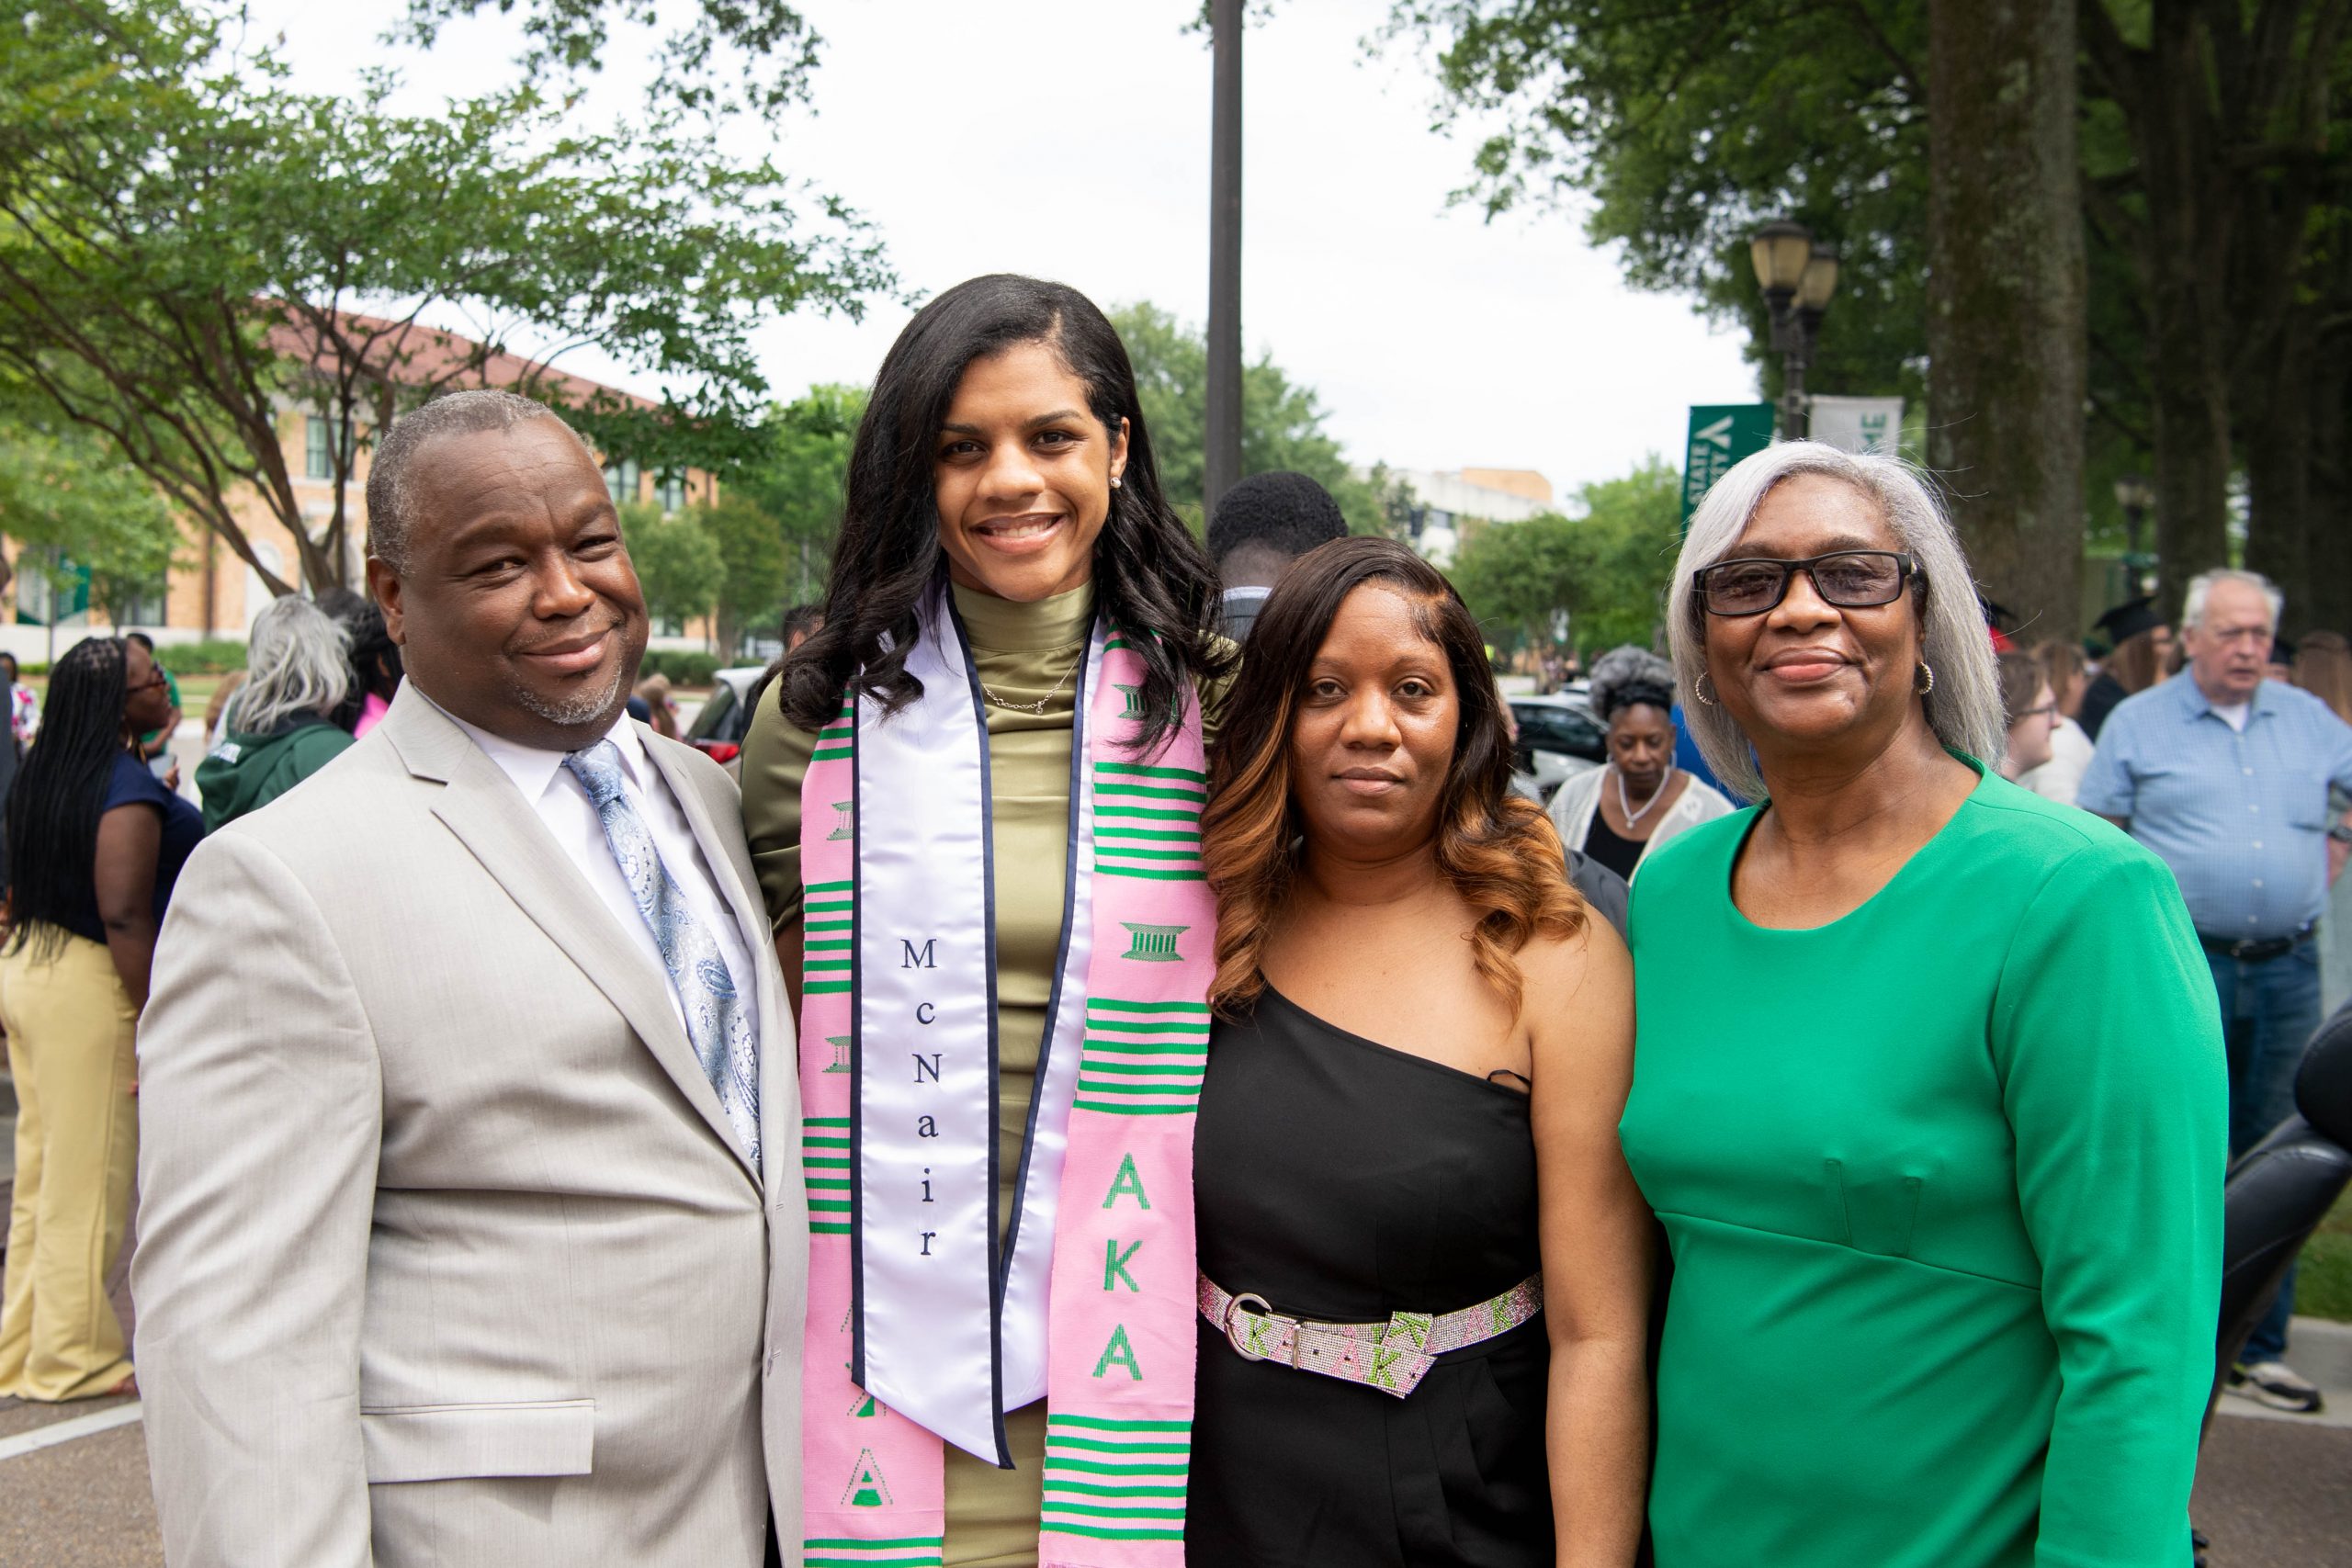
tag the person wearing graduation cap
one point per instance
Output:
(2141, 640)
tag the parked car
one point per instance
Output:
(718, 730)
(1558, 738)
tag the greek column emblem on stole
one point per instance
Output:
(1153, 944)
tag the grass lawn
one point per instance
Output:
(2323, 1289)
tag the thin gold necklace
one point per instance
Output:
(1037, 707)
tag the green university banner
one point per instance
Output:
(1720, 434)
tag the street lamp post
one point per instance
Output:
(2136, 496)
(1798, 275)
(1221, 456)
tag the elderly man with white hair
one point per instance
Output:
(2225, 776)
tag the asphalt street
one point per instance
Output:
(2270, 1492)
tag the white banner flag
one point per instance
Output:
(1859, 424)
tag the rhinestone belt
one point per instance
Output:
(1392, 1356)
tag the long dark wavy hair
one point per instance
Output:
(1499, 853)
(60, 793)
(1151, 577)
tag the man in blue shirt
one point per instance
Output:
(2225, 775)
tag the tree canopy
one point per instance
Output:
(1605, 568)
(1281, 420)
(723, 57)
(2217, 231)
(190, 250)
(679, 564)
(72, 507)
(797, 480)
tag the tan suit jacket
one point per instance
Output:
(446, 1254)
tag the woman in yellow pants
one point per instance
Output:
(95, 841)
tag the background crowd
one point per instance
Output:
(2012, 1255)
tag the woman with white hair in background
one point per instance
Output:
(1620, 812)
(279, 730)
(1928, 1085)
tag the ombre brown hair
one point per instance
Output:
(1499, 853)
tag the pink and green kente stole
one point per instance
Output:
(922, 1329)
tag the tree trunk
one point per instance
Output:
(2006, 340)
(2274, 410)
(2188, 239)
(2329, 551)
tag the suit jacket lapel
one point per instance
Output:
(730, 866)
(482, 806)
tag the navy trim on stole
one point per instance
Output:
(1062, 962)
(856, 1047)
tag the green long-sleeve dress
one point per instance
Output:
(1942, 1180)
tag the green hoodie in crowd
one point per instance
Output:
(246, 772)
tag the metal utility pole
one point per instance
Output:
(1222, 461)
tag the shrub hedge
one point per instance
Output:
(215, 656)
(683, 668)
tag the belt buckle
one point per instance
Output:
(1264, 1314)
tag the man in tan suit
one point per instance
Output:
(472, 1232)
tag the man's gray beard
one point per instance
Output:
(584, 707)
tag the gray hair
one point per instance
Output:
(2200, 588)
(297, 661)
(1624, 676)
(390, 485)
(1964, 708)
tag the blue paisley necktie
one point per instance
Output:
(719, 1019)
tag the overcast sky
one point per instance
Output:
(1072, 142)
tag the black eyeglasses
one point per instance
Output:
(1851, 580)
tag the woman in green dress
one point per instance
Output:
(1929, 1084)
(1003, 471)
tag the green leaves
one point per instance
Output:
(190, 250)
(730, 56)
(64, 498)
(678, 565)
(797, 478)
(1677, 129)
(1282, 422)
(1606, 568)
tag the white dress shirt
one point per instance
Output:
(562, 803)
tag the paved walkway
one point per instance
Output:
(2272, 1491)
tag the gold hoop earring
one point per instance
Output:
(1926, 680)
(1699, 690)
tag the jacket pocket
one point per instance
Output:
(451, 1442)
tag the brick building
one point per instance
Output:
(209, 592)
